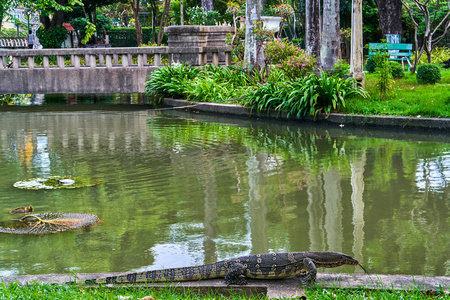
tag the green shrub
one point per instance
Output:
(126, 37)
(237, 43)
(438, 55)
(51, 38)
(298, 66)
(396, 70)
(294, 62)
(428, 74)
(372, 63)
(12, 33)
(279, 50)
(340, 68)
(196, 16)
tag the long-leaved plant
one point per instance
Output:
(170, 81)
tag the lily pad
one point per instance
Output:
(57, 182)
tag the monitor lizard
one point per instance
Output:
(235, 271)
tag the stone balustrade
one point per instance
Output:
(13, 43)
(108, 70)
(106, 57)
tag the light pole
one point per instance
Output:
(28, 13)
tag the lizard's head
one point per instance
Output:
(348, 260)
(336, 259)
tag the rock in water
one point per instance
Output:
(66, 181)
(21, 210)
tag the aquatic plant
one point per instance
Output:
(56, 182)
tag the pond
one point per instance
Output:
(184, 189)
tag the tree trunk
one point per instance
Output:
(163, 21)
(331, 37)
(154, 8)
(181, 13)
(428, 38)
(252, 57)
(94, 21)
(137, 23)
(356, 52)
(207, 5)
(390, 12)
(312, 36)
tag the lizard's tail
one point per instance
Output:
(214, 270)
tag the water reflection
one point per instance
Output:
(183, 190)
(357, 181)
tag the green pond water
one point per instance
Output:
(185, 189)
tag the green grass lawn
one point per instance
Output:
(408, 98)
(54, 292)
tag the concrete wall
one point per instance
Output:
(82, 81)
(100, 70)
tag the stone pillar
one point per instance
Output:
(184, 43)
(187, 43)
(356, 54)
(217, 36)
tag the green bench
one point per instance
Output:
(403, 53)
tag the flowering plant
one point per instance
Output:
(262, 34)
(298, 66)
(283, 10)
(233, 8)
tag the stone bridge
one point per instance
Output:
(107, 70)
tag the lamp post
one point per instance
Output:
(28, 13)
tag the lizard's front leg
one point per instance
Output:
(234, 275)
(310, 276)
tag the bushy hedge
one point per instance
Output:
(126, 37)
(428, 74)
(396, 70)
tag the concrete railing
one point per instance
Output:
(105, 57)
(94, 70)
(13, 43)
(91, 58)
